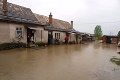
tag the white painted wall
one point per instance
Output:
(13, 32)
(62, 36)
(4, 32)
(41, 35)
(38, 35)
(8, 32)
(45, 36)
(72, 37)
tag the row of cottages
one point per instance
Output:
(58, 29)
(19, 23)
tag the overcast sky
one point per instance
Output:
(86, 14)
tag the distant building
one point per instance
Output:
(92, 37)
(110, 39)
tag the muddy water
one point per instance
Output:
(90, 61)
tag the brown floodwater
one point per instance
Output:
(90, 61)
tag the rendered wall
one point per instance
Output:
(13, 36)
(39, 34)
(4, 32)
(72, 37)
(62, 35)
(45, 36)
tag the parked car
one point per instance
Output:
(119, 44)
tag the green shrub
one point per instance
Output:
(23, 45)
(72, 42)
(7, 46)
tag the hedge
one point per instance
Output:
(41, 43)
(8, 46)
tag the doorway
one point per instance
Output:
(30, 33)
(50, 37)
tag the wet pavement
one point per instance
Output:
(90, 61)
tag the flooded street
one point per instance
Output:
(90, 61)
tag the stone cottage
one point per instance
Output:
(17, 23)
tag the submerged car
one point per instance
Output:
(119, 44)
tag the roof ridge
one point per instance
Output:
(61, 20)
(16, 11)
(53, 18)
(40, 15)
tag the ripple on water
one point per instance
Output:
(101, 75)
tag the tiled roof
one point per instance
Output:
(61, 24)
(43, 20)
(56, 23)
(110, 35)
(77, 32)
(18, 13)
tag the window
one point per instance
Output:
(19, 32)
(57, 35)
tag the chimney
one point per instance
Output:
(5, 7)
(50, 18)
(71, 24)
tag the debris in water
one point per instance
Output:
(115, 60)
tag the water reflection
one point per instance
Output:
(60, 62)
(109, 46)
(97, 45)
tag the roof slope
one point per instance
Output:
(42, 19)
(18, 13)
(56, 23)
(61, 24)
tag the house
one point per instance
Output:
(57, 30)
(92, 37)
(86, 37)
(18, 23)
(78, 36)
(110, 39)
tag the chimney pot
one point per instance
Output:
(71, 24)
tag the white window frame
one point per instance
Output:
(57, 35)
(19, 30)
